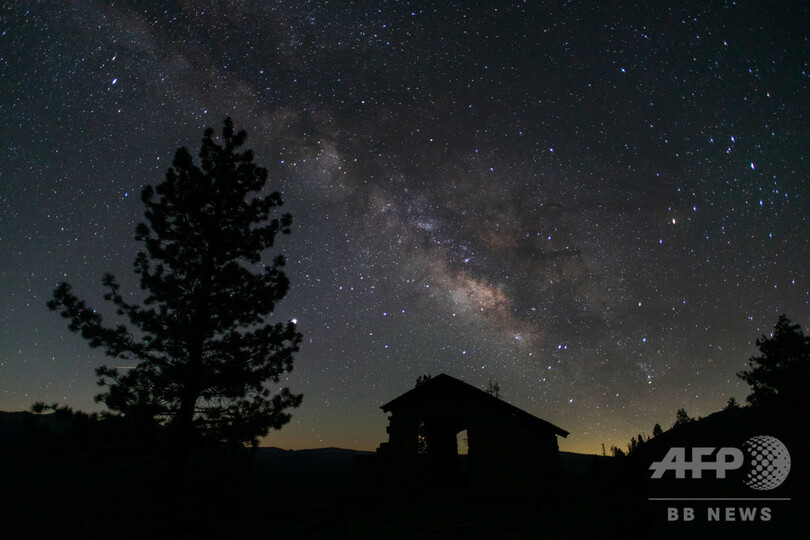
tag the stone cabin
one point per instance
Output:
(508, 449)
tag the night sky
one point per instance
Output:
(598, 207)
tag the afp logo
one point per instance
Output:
(767, 462)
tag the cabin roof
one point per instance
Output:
(446, 386)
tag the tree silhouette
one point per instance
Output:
(731, 404)
(202, 349)
(494, 389)
(657, 430)
(682, 417)
(632, 445)
(780, 375)
(636, 443)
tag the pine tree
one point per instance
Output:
(203, 351)
(494, 389)
(780, 375)
(682, 417)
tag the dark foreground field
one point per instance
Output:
(106, 491)
(306, 494)
(282, 494)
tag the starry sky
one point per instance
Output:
(600, 207)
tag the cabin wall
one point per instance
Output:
(505, 455)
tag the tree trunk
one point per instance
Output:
(184, 434)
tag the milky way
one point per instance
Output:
(599, 208)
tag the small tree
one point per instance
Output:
(494, 389)
(202, 348)
(731, 404)
(657, 430)
(780, 375)
(682, 417)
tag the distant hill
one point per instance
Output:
(16, 427)
(581, 465)
(333, 465)
(730, 428)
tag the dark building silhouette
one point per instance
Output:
(509, 450)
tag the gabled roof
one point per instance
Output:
(447, 386)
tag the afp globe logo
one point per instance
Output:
(769, 462)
